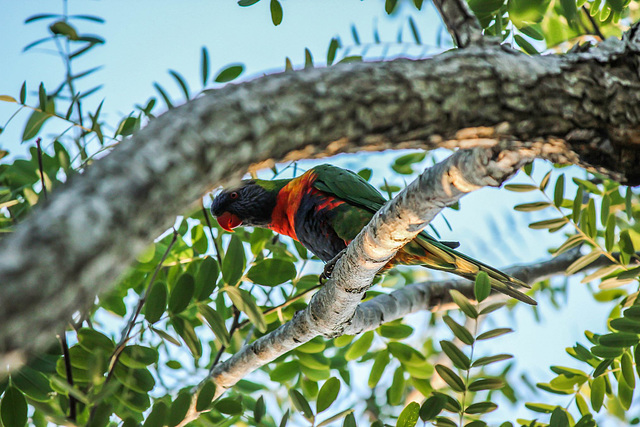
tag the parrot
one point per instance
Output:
(326, 207)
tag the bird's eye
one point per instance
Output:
(233, 195)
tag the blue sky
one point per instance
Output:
(146, 38)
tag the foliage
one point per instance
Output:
(198, 294)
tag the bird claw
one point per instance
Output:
(329, 266)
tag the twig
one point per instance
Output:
(68, 370)
(234, 327)
(213, 239)
(596, 28)
(460, 22)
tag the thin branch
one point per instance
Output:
(332, 308)
(213, 239)
(134, 316)
(460, 21)
(594, 24)
(69, 372)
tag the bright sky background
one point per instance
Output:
(145, 38)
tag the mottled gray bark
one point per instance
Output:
(581, 108)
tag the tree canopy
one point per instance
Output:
(124, 303)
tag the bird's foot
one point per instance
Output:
(329, 266)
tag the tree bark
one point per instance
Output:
(579, 108)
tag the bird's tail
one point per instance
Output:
(442, 257)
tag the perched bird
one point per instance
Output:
(326, 207)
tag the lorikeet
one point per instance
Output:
(325, 208)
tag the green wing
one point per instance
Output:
(355, 190)
(348, 186)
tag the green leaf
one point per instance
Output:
(349, 421)
(406, 354)
(181, 294)
(7, 98)
(389, 6)
(13, 408)
(379, 364)
(230, 73)
(301, 404)
(181, 83)
(260, 409)
(459, 359)
(414, 31)
(432, 407)
(245, 3)
(333, 48)
(451, 378)
(34, 123)
(626, 245)
(610, 233)
(396, 391)
(626, 365)
(542, 408)
(627, 203)
(137, 356)
(229, 406)
(534, 31)
(618, 339)
(571, 242)
(625, 393)
(158, 415)
(308, 58)
(458, 330)
(33, 384)
(531, 207)
(548, 223)
(327, 394)
(583, 262)
(205, 396)
(486, 384)
(606, 352)
(92, 340)
(464, 304)
(493, 333)
(559, 418)
(577, 204)
(481, 408)
(23, 92)
(285, 371)
(520, 188)
(409, 415)
(482, 287)
(632, 312)
(139, 380)
(558, 192)
(525, 45)
(188, 334)
(360, 347)
(492, 307)
(156, 302)
(204, 65)
(63, 28)
(624, 324)
(272, 272)
(206, 278)
(395, 331)
(276, 12)
(234, 262)
(245, 302)
(163, 94)
(216, 323)
(491, 359)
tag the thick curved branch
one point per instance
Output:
(461, 23)
(577, 108)
(434, 295)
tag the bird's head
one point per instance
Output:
(250, 204)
